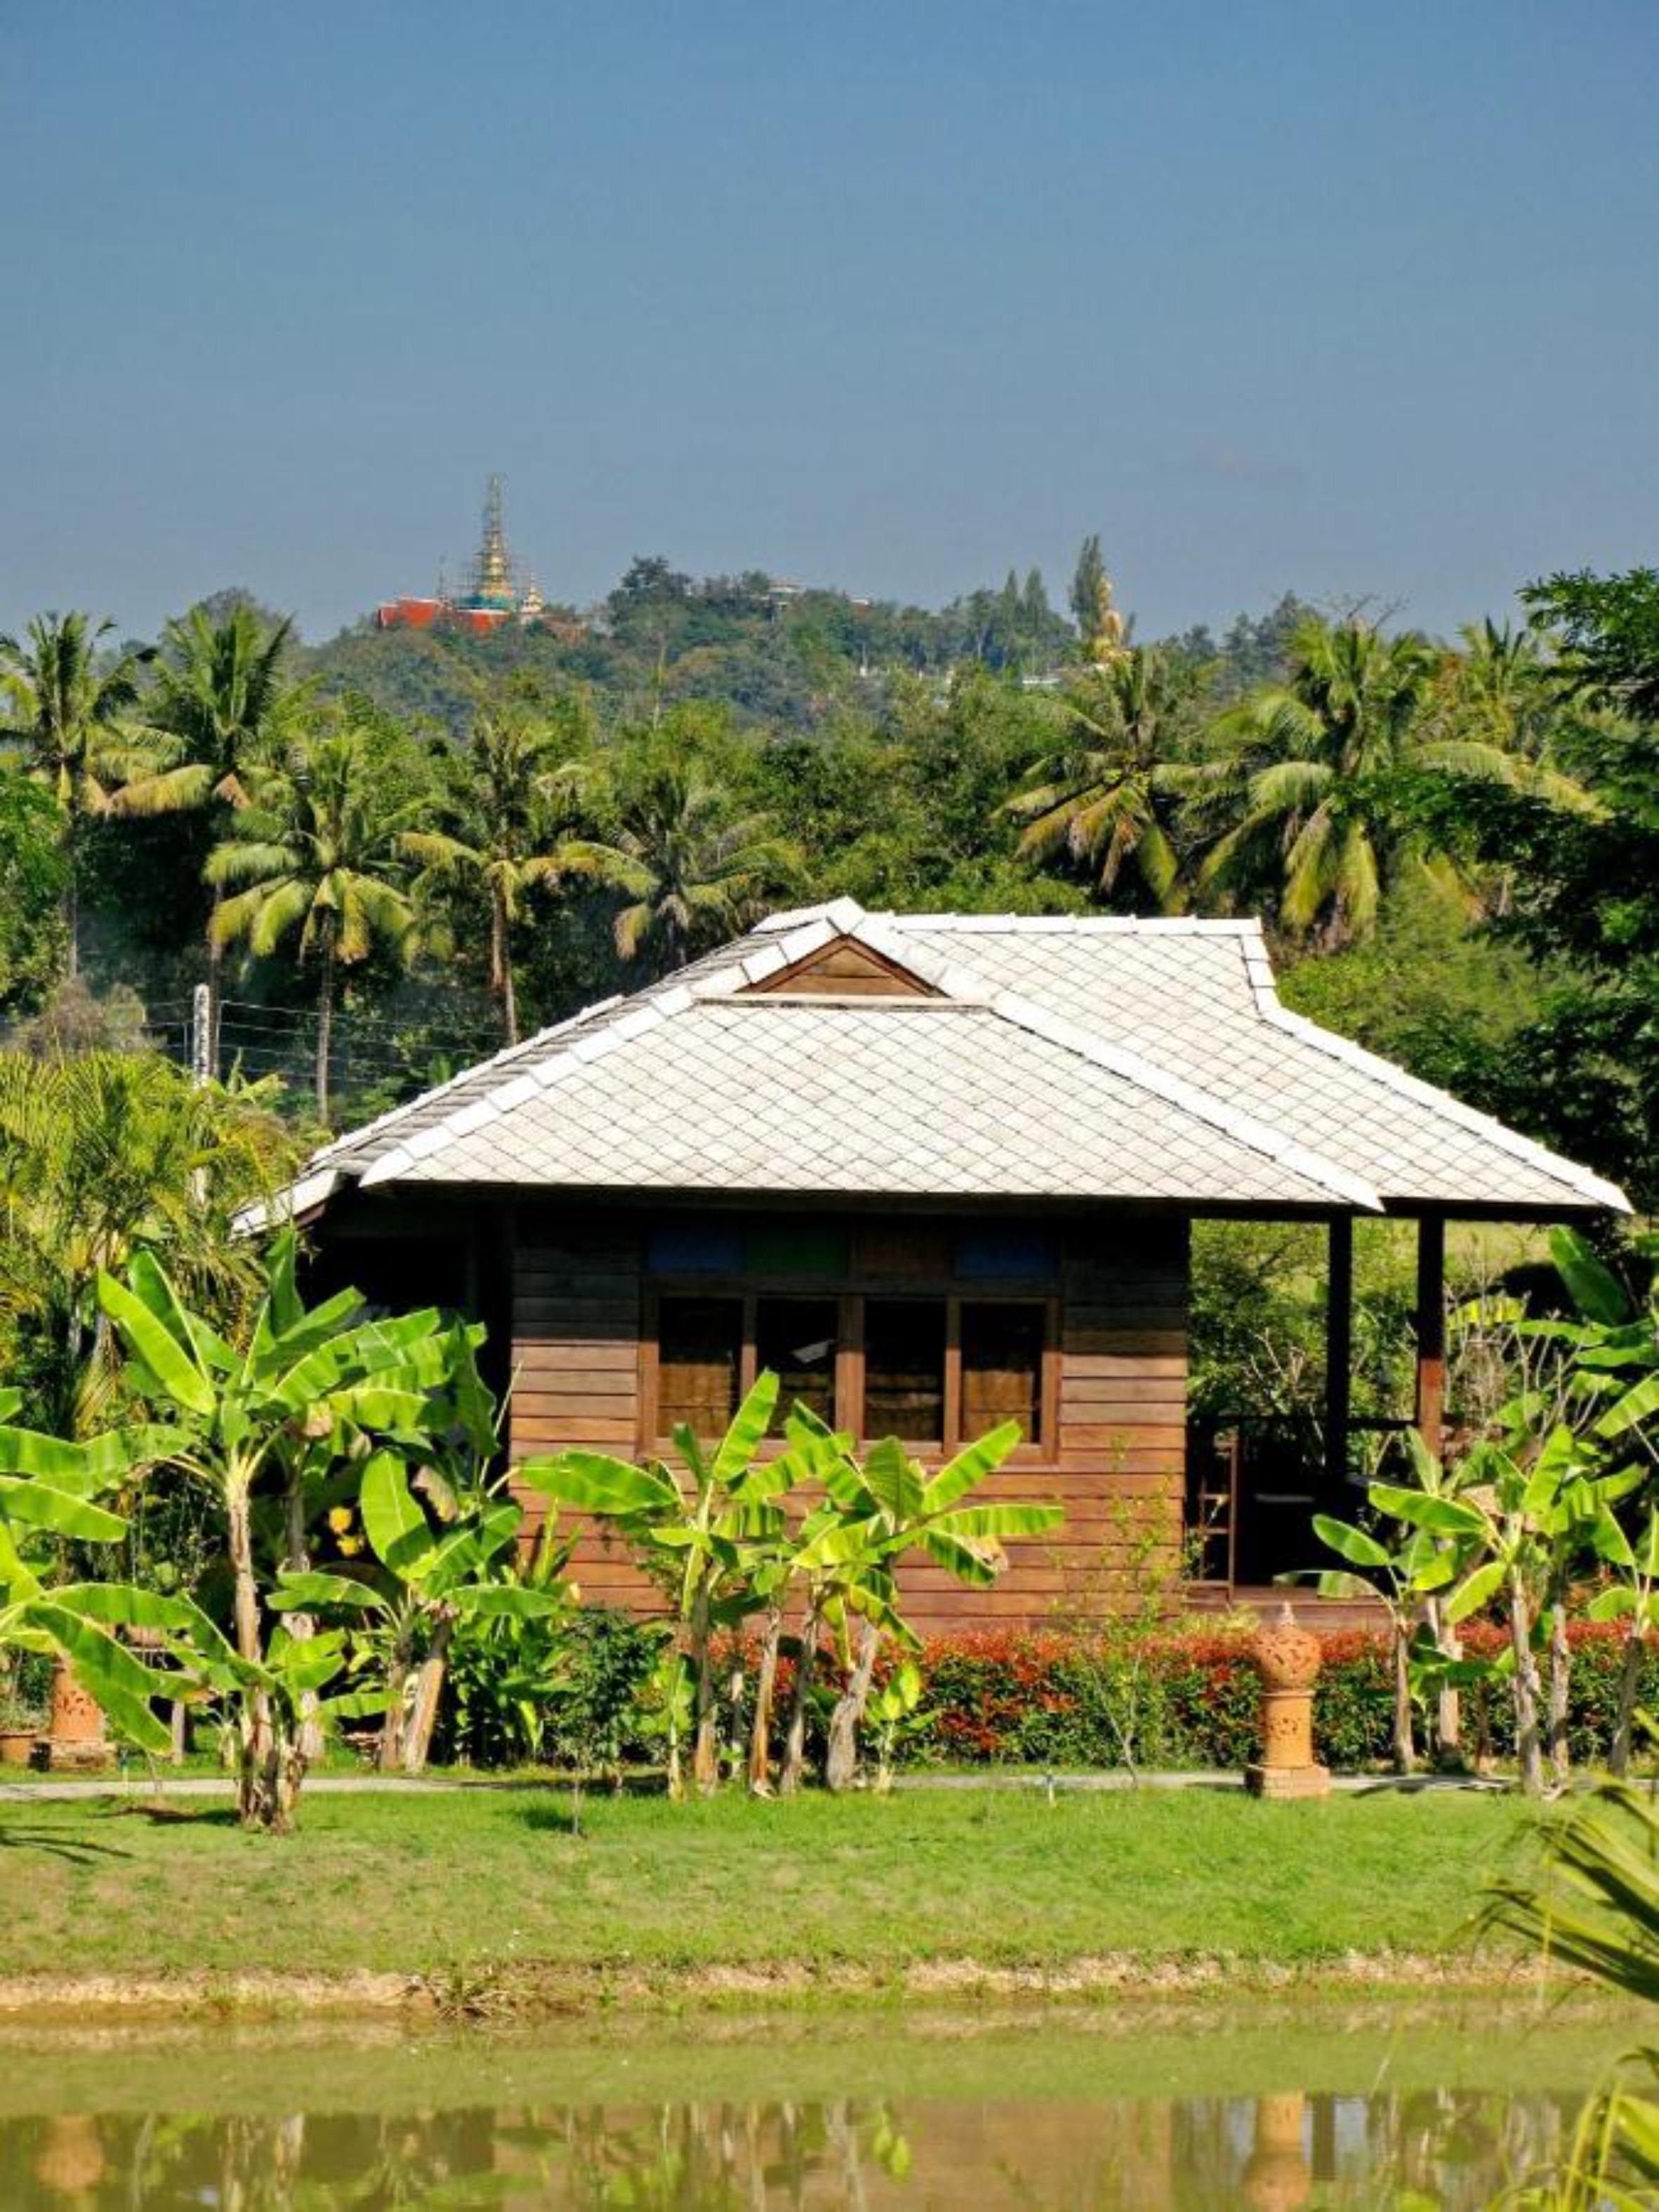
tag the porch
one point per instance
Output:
(1255, 1482)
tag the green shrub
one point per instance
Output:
(561, 1691)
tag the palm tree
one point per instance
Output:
(102, 1155)
(1104, 798)
(500, 807)
(319, 852)
(690, 870)
(221, 700)
(1499, 687)
(74, 728)
(1304, 780)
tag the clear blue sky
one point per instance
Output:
(1355, 300)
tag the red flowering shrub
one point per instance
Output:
(1044, 1699)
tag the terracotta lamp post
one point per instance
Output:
(1289, 1659)
(75, 1731)
(1278, 2177)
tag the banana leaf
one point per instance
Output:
(970, 1466)
(173, 1363)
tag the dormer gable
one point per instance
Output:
(843, 968)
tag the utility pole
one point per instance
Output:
(201, 1037)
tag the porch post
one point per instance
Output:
(1338, 1358)
(1429, 1413)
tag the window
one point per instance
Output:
(796, 1338)
(695, 1248)
(1012, 1254)
(792, 1247)
(699, 1361)
(1002, 1367)
(882, 1327)
(904, 1369)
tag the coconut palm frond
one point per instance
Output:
(169, 791)
(1598, 1910)
(1290, 786)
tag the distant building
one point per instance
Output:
(494, 591)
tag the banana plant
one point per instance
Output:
(667, 1710)
(703, 1530)
(310, 1393)
(295, 1681)
(718, 1537)
(895, 1711)
(432, 1580)
(1520, 1523)
(1409, 1582)
(1631, 1598)
(1398, 1580)
(49, 1487)
(889, 1506)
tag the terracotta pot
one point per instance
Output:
(17, 1746)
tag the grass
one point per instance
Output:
(486, 1880)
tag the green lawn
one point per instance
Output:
(484, 1880)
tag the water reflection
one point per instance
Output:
(1448, 2148)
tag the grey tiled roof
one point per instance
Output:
(923, 1099)
(1061, 1059)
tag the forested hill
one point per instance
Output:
(773, 655)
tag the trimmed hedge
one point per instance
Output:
(1047, 1699)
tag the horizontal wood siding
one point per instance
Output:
(1114, 1460)
(576, 1338)
(577, 1289)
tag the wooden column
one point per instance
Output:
(1339, 1359)
(1429, 1413)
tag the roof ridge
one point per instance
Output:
(1191, 1098)
(1068, 924)
(1264, 988)
(848, 918)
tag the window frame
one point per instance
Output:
(848, 1297)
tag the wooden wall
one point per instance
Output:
(1115, 1461)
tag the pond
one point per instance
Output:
(1275, 2104)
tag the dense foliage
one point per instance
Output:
(1455, 850)
(386, 853)
(1050, 1699)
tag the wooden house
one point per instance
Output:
(936, 1171)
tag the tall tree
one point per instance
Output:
(1036, 613)
(74, 726)
(223, 708)
(1086, 581)
(503, 804)
(1106, 797)
(1304, 781)
(34, 870)
(319, 853)
(1584, 884)
(1609, 631)
(691, 869)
